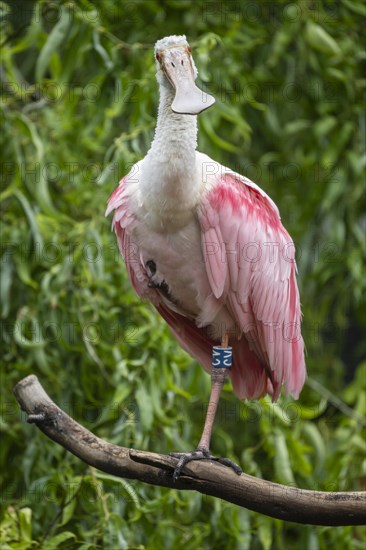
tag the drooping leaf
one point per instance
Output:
(54, 41)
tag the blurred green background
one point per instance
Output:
(78, 107)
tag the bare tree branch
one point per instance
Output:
(210, 478)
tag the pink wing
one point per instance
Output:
(123, 223)
(250, 265)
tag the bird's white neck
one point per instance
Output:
(169, 181)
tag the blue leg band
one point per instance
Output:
(222, 358)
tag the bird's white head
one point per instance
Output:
(176, 68)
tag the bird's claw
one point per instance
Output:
(199, 454)
(184, 458)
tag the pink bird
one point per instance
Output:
(207, 247)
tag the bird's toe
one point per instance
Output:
(201, 454)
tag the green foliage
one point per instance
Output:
(79, 103)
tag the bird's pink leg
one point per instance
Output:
(218, 376)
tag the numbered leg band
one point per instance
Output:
(222, 358)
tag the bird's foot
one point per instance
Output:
(201, 454)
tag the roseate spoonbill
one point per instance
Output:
(207, 247)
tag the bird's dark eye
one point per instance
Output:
(158, 57)
(172, 64)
